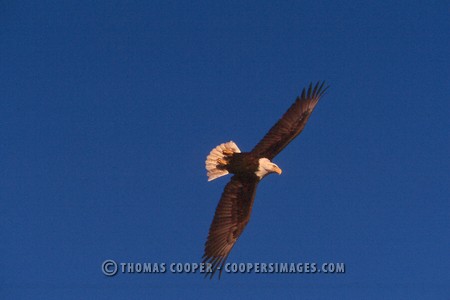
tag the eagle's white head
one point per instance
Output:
(266, 167)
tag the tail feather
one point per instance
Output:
(212, 164)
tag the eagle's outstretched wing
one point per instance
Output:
(231, 217)
(291, 124)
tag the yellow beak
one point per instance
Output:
(277, 170)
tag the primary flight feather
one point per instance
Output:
(234, 208)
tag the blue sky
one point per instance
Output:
(108, 111)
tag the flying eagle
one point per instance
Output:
(234, 208)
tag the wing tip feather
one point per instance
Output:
(217, 263)
(311, 92)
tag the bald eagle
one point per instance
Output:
(234, 208)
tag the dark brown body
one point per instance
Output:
(245, 164)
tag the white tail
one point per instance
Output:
(217, 154)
